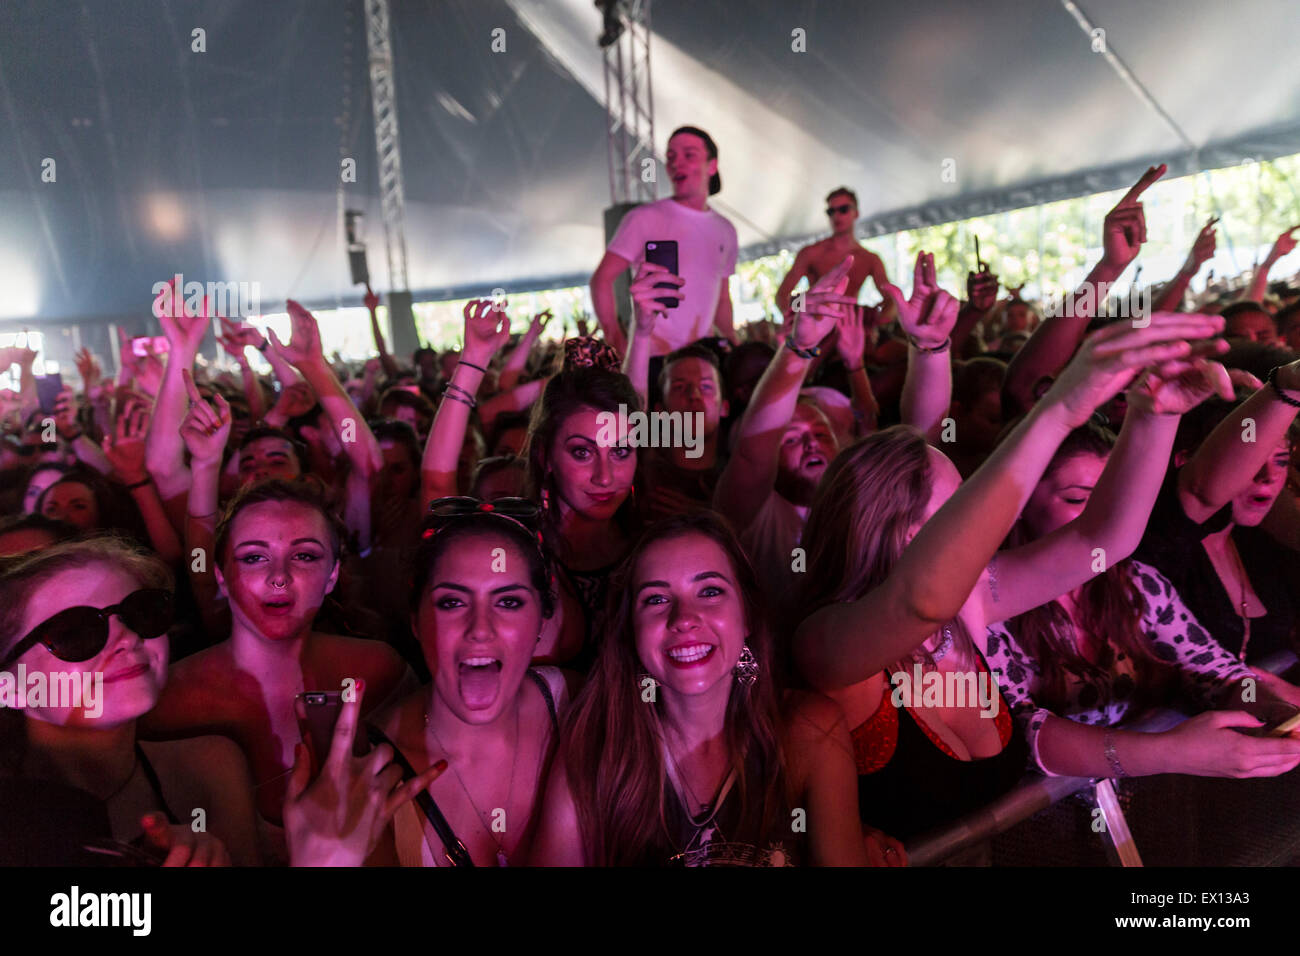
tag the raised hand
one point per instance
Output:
(538, 325)
(823, 305)
(304, 345)
(1285, 244)
(235, 338)
(1178, 386)
(487, 329)
(183, 326)
(338, 818)
(372, 298)
(125, 448)
(645, 295)
(1110, 358)
(296, 399)
(206, 428)
(1203, 248)
(88, 369)
(852, 341)
(1125, 228)
(929, 315)
(982, 290)
(17, 355)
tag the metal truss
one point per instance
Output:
(629, 103)
(391, 192)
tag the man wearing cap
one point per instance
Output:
(706, 250)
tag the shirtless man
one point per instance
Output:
(821, 257)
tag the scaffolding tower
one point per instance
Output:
(629, 100)
(391, 192)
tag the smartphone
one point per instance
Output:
(1284, 728)
(664, 253)
(317, 717)
(140, 345)
(47, 391)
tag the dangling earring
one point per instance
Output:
(546, 499)
(746, 669)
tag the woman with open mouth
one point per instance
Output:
(682, 750)
(92, 617)
(481, 594)
(276, 557)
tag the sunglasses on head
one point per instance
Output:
(839, 210)
(79, 633)
(519, 510)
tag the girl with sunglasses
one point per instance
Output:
(277, 557)
(681, 750)
(100, 609)
(480, 597)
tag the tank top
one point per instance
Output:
(723, 834)
(910, 781)
(409, 830)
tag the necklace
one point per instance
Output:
(502, 860)
(945, 645)
(1243, 607)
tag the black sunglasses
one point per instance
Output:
(833, 210)
(79, 633)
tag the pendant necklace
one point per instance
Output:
(502, 860)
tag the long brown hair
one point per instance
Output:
(871, 496)
(1109, 608)
(613, 749)
(570, 391)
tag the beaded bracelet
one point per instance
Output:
(802, 353)
(1277, 390)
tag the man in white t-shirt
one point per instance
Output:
(706, 250)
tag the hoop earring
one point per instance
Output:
(746, 669)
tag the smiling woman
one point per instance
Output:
(682, 750)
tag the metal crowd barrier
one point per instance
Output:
(1037, 793)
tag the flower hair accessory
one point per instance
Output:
(589, 352)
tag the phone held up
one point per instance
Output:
(318, 712)
(663, 253)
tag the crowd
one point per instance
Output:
(466, 611)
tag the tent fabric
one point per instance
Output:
(224, 165)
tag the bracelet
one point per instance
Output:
(266, 344)
(139, 484)
(809, 353)
(210, 514)
(472, 365)
(473, 400)
(464, 398)
(1116, 768)
(941, 347)
(1277, 390)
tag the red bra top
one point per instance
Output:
(875, 739)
